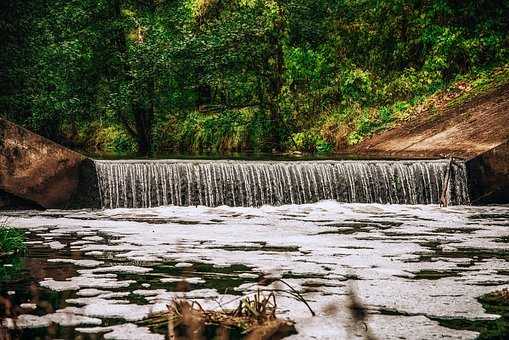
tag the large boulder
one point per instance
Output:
(36, 169)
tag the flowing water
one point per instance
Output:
(139, 183)
(101, 274)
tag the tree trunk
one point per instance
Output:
(143, 131)
(138, 120)
(144, 119)
(276, 80)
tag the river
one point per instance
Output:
(102, 272)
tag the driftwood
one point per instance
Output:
(253, 319)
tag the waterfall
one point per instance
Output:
(142, 183)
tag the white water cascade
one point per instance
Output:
(149, 183)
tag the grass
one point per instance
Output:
(12, 241)
(482, 84)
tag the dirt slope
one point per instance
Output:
(465, 131)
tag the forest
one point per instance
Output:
(160, 76)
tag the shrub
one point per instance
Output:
(234, 130)
(311, 141)
(108, 139)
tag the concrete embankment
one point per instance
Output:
(36, 172)
(476, 131)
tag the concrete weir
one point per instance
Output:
(36, 172)
(476, 132)
(488, 175)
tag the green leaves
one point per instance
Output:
(12, 241)
(134, 68)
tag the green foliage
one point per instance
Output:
(12, 241)
(111, 139)
(196, 75)
(214, 132)
(481, 82)
(310, 141)
(227, 131)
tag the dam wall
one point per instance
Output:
(150, 183)
(476, 131)
(38, 173)
(488, 175)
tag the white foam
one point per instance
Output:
(118, 269)
(126, 331)
(28, 305)
(192, 280)
(183, 265)
(383, 258)
(56, 245)
(81, 263)
(61, 318)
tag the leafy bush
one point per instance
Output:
(233, 130)
(110, 139)
(310, 141)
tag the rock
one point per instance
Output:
(10, 202)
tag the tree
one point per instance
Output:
(164, 75)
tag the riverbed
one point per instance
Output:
(105, 271)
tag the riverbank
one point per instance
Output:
(465, 126)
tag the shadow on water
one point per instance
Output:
(20, 292)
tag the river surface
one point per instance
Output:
(101, 273)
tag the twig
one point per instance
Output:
(444, 201)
